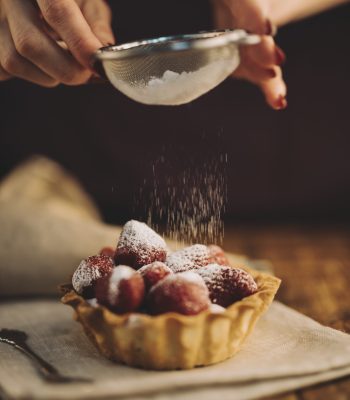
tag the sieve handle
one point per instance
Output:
(97, 67)
(241, 37)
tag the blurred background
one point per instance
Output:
(291, 165)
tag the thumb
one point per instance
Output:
(99, 17)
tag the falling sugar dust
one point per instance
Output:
(187, 206)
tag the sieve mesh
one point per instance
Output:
(152, 72)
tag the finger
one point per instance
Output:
(264, 53)
(275, 92)
(16, 65)
(66, 18)
(34, 44)
(254, 72)
(273, 87)
(99, 17)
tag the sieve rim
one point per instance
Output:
(184, 42)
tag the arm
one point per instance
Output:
(286, 11)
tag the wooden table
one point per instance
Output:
(314, 265)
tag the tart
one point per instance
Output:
(165, 316)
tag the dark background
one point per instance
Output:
(287, 165)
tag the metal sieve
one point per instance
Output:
(173, 70)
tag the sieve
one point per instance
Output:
(173, 70)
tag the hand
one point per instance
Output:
(260, 64)
(32, 33)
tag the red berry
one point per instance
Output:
(153, 273)
(107, 251)
(184, 293)
(122, 290)
(188, 258)
(89, 272)
(217, 255)
(139, 245)
(227, 285)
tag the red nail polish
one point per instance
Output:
(270, 28)
(281, 103)
(280, 56)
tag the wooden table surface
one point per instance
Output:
(314, 265)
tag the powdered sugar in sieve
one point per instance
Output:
(174, 88)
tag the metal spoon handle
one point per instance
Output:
(46, 370)
(17, 339)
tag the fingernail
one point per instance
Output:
(281, 103)
(272, 73)
(270, 28)
(107, 44)
(280, 56)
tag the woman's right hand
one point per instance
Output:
(261, 63)
(32, 33)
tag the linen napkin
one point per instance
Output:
(48, 224)
(286, 350)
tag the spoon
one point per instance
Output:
(18, 340)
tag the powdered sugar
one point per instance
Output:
(141, 241)
(84, 276)
(215, 272)
(157, 264)
(216, 309)
(210, 271)
(188, 258)
(189, 276)
(89, 270)
(119, 273)
(226, 285)
(93, 302)
(185, 293)
(188, 206)
(135, 234)
(174, 88)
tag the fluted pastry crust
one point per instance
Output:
(174, 341)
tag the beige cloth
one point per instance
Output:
(285, 351)
(48, 225)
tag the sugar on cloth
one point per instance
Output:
(286, 350)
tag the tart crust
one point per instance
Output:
(174, 341)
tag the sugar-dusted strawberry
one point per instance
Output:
(188, 258)
(139, 245)
(153, 273)
(217, 255)
(122, 290)
(184, 293)
(227, 285)
(89, 272)
(107, 251)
